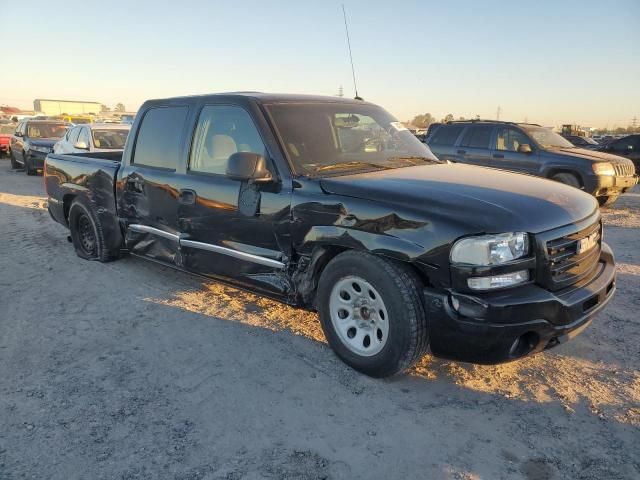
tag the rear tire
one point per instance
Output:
(87, 234)
(606, 201)
(372, 314)
(567, 178)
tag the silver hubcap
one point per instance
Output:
(359, 316)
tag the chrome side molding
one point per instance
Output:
(249, 257)
(156, 231)
(233, 253)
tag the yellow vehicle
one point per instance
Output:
(75, 119)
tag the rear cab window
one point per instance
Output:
(446, 135)
(158, 143)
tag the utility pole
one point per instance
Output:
(634, 122)
(498, 112)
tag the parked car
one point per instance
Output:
(94, 137)
(534, 150)
(32, 140)
(6, 130)
(76, 119)
(582, 142)
(331, 204)
(628, 146)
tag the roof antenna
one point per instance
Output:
(353, 72)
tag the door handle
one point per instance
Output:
(135, 184)
(187, 197)
(462, 152)
(498, 155)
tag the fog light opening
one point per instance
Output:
(524, 344)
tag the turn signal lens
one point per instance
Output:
(498, 281)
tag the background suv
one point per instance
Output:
(534, 150)
(628, 146)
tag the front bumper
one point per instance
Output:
(506, 325)
(604, 186)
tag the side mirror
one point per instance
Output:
(81, 146)
(248, 167)
(17, 134)
(524, 148)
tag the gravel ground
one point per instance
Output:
(132, 370)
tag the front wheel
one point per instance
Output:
(372, 313)
(27, 165)
(14, 163)
(567, 179)
(606, 201)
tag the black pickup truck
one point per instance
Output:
(332, 205)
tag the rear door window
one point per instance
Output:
(158, 143)
(478, 136)
(446, 135)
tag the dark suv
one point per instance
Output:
(32, 141)
(535, 150)
(628, 146)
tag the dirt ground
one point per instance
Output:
(131, 370)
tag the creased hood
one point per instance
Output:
(490, 200)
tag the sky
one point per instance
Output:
(546, 62)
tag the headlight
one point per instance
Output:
(604, 168)
(490, 249)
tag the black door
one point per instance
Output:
(229, 227)
(150, 185)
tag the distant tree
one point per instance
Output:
(448, 118)
(120, 107)
(461, 118)
(423, 121)
(104, 108)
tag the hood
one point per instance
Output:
(43, 142)
(486, 199)
(589, 154)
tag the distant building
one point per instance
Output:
(70, 107)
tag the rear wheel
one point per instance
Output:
(567, 179)
(606, 201)
(372, 314)
(87, 234)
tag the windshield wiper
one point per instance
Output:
(410, 158)
(334, 166)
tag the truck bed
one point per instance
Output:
(87, 177)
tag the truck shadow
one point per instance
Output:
(573, 377)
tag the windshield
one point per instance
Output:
(547, 138)
(325, 139)
(46, 130)
(111, 139)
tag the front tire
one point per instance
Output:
(14, 163)
(27, 165)
(372, 313)
(567, 178)
(87, 234)
(606, 201)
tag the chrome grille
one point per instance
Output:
(624, 169)
(566, 264)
